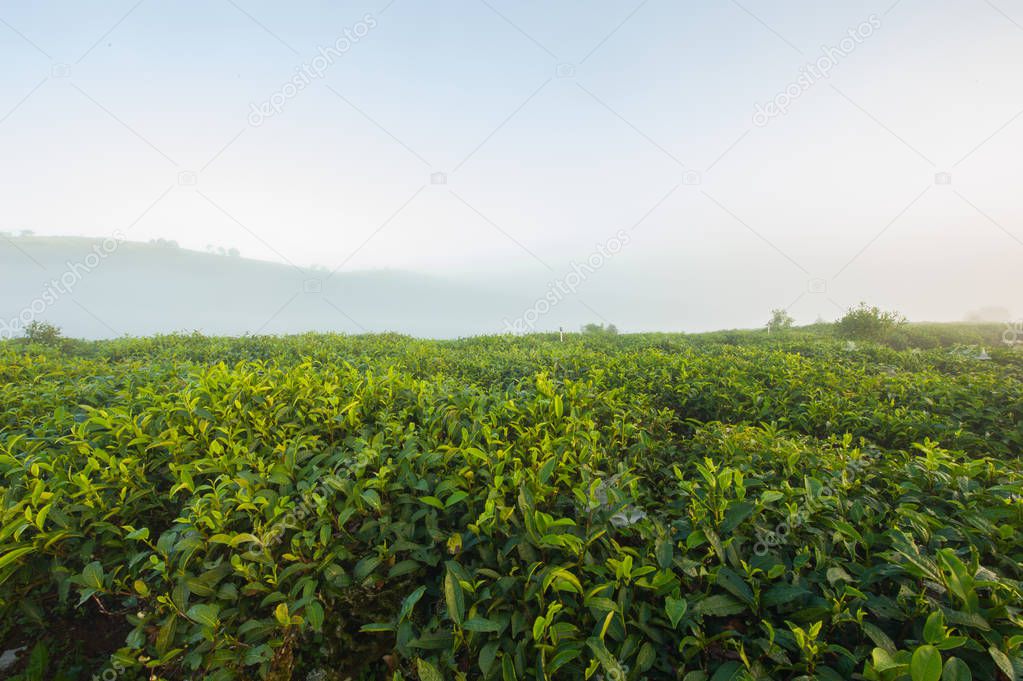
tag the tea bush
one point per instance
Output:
(612, 507)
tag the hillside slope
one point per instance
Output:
(94, 291)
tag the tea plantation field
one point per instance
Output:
(708, 508)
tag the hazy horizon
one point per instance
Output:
(502, 146)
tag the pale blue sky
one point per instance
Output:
(107, 107)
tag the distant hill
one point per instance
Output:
(139, 289)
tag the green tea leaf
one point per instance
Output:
(956, 670)
(675, 609)
(925, 664)
(481, 624)
(207, 614)
(92, 575)
(426, 671)
(454, 598)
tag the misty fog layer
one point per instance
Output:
(482, 167)
(106, 288)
